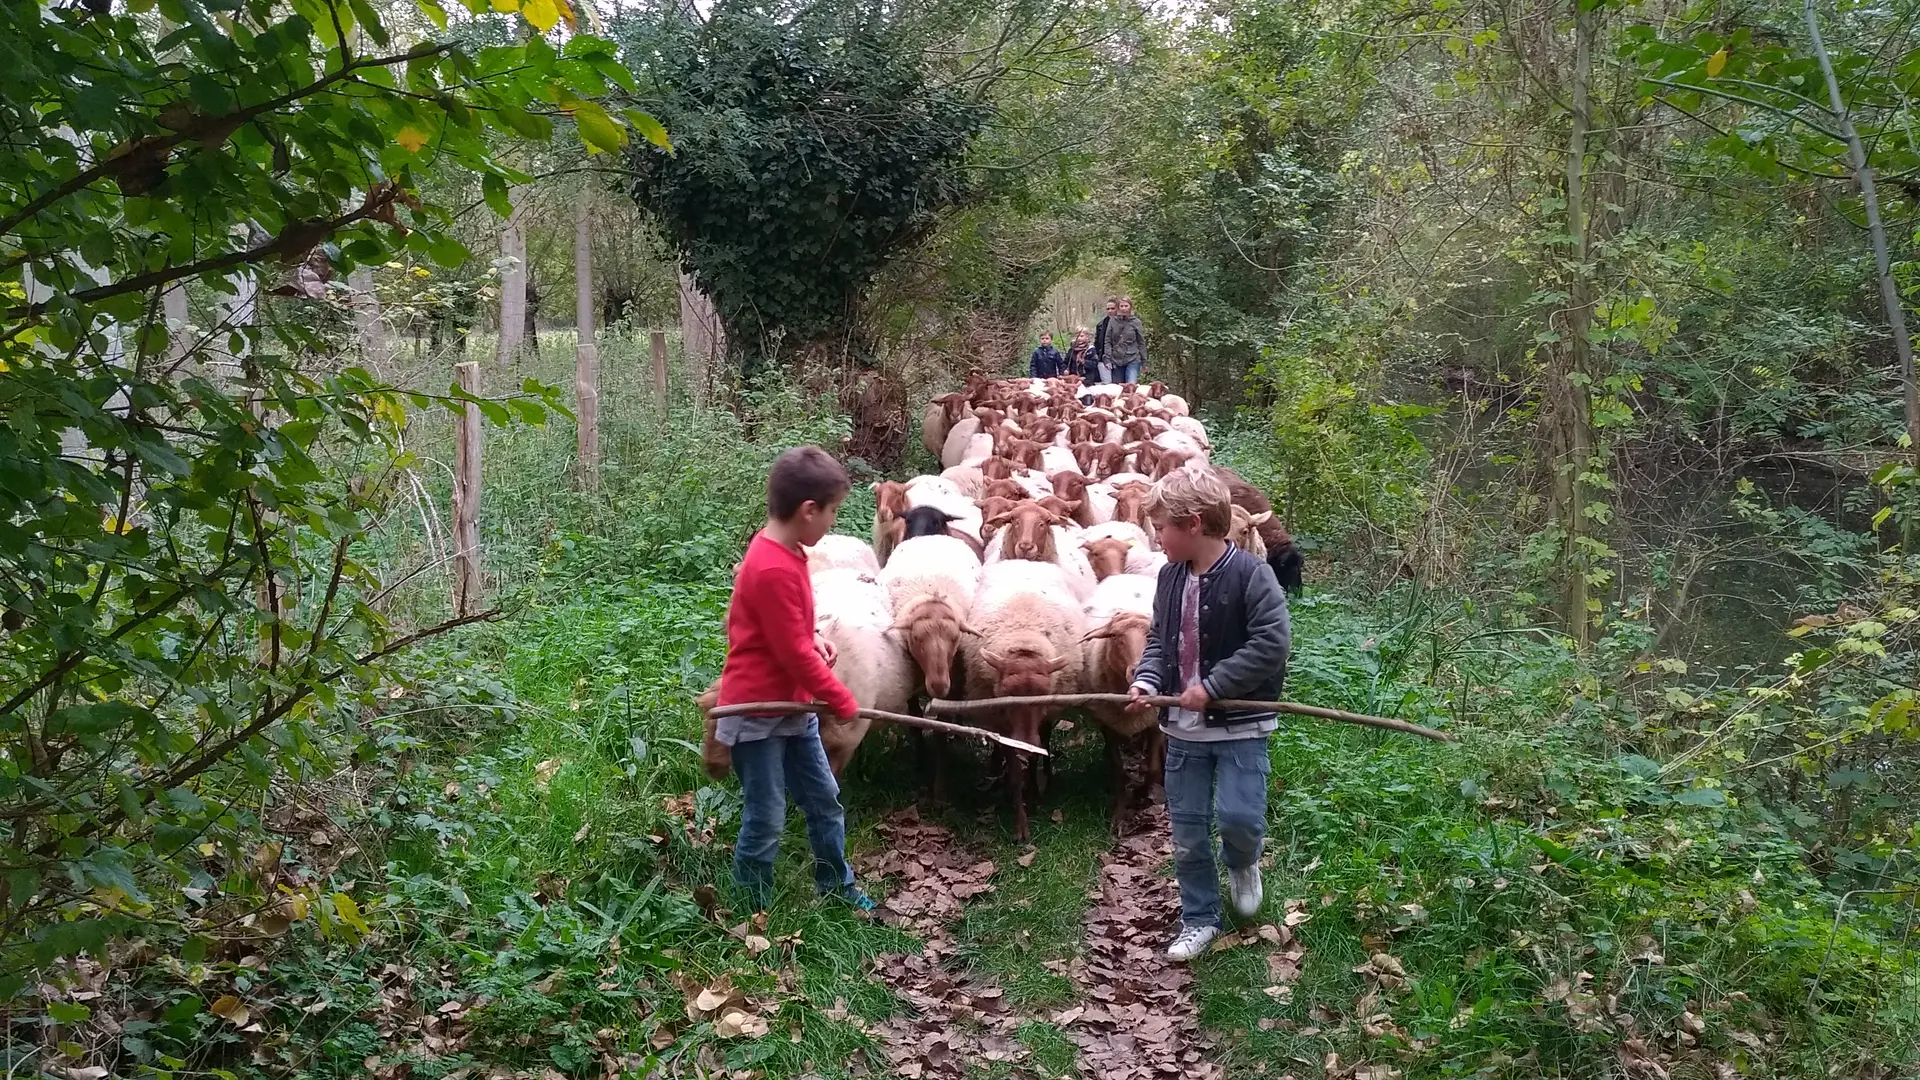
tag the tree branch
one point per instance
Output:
(159, 143)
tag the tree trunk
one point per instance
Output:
(1574, 410)
(586, 351)
(513, 281)
(1877, 232)
(173, 308)
(366, 318)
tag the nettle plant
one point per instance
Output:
(183, 618)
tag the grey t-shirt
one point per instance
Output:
(734, 730)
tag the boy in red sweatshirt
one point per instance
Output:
(773, 654)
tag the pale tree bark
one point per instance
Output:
(1877, 232)
(586, 353)
(173, 308)
(366, 318)
(513, 280)
(701, 337)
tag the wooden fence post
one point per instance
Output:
(660, 367)
(466, 494)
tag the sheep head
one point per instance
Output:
(1006, 487)
(1023, 452)
(1070, 486)
(1107, 556)
(996, 468)
(931, 631)
(1157, 389)
(1029, 528)
(890, 497)
(952, 405)
(1123, 639)
(1130, 503)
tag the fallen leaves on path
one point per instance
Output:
(957, 1019)
(1141, 1022)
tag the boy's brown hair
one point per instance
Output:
(1199, 493)
(804, 474)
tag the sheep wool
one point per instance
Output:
(836, 551)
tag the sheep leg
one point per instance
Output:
(1117, 775)
(1156, 765)
(1017, 764)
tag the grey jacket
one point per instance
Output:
(1245, 636)
(1126, 341)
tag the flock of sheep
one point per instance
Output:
(1025, 568)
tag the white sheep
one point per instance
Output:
(1175, 404)
(1193, 429)
(1119, 618)
(836, 551)
(930, 583)
(959, 436)
(967, 479)
(1058, 458)
(1030, 628)
(852, 611)
(1033, 483)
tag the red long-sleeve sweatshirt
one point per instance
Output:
(770, 654)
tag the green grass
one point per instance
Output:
(514, 822)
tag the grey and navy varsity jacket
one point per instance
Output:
(1245, 635)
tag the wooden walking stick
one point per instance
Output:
(765, 708)
(941, 705)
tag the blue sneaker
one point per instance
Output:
(856, 898)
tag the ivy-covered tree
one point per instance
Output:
(810, 147)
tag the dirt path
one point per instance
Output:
(1139, 1019)
(1136, 1018)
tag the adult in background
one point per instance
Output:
(1081, 359)
(1100, 330)
(1046, 361)
(1126, 344)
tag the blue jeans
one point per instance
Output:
(1127, 373)
(1206, 780)
(769, 770)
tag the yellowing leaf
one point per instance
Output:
(230, 1009)
(1716, 63)
(567, 13)
(410, 137)
(649, 128)
(506, 5)
(541, 13)
(349, 913)
(597, 129)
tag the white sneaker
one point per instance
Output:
(1245, 889)
(1193, 941)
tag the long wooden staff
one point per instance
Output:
(776, 707)
(944, 706)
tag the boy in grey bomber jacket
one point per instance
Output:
(1220, 631)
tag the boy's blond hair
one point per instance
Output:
(1197, 493)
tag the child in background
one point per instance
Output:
(773, 654)
(1220, 631)
(1046, 362)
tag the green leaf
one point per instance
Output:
(1701, 796)
(434, 12)
(66, 1013)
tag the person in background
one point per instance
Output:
(1046, 361)
(1081, 360)
(774, 654)
(1100, 331)
(1125, 348)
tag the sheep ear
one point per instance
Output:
(967, 629)
(993, 659)
(1263, 517)
(1095, 635)
(1055, 664)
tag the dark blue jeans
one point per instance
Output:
(770, 769)
(1127, 373)
(1208, 780)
